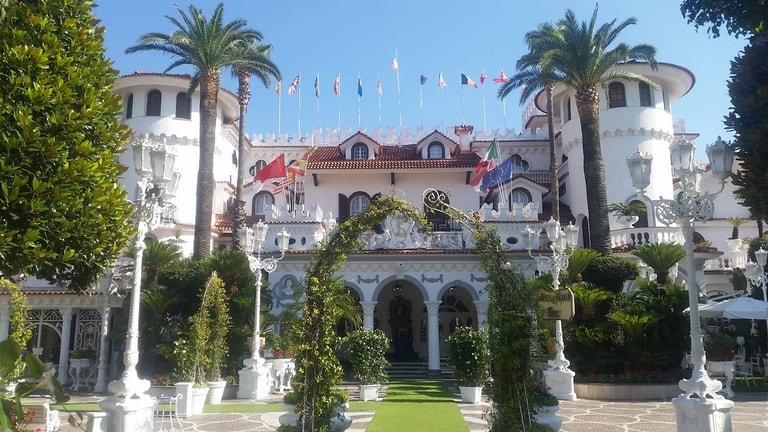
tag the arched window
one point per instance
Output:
(359, 151)
(520, 196)
(258, 166)
(183, 106)
(129, 106)
(154, 102)
(358, 202)
(616, 96)
(262, 203)
(568, 109)
(435, 150)
(645, 94)
(519, 164)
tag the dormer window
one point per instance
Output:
(435, 150)
(359, 151)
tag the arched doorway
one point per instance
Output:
(398, 316)
(456, 310)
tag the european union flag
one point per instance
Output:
(498, 175)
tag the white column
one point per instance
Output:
(5, 321)
(101, 370)
(66, 332)
(482, 313)
(368, 309)
(433, 336)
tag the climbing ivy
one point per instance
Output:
(318, 369)
(515, 337)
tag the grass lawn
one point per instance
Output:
(419, 405)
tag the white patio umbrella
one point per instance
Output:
(736, 308)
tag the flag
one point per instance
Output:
(497, 175)
(282, 185)
(501, 78)
(394, 63)
(440, 82)
(378, 87)
(423, 79)
(336, 85)
(317, 85)
(273, 170)
(490, 154)
(297, 168)
(359, 87)
(278, 86)
(482, 78)
(294, 85)
(465, 80)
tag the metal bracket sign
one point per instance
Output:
(558, 305)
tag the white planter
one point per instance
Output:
(471, 395)
(215, 392)
(627, 221)
(199, 394)
(369, 392)
(547, 416)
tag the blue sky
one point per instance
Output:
(351, 37)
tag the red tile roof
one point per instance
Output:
(398, 157)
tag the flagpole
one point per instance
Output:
(279, 106)
(317, 94)
(440, 84)
(338, 104)
(462, 100)
(482, 83)
(421, 105)
(378, 90)
(359, 98)
(299, 99)
(504, 112)
(399, 109)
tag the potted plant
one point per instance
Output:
(719, 347)
(366, 350)
(469, 357)
(627, 213)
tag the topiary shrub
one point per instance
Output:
(366, 349)
(469, 356)
(610, 272)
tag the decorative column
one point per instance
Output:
(482, 314)
(66, 334)
(433, 336)
(5, 321)
(368, 308)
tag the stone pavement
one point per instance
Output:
(749, 414)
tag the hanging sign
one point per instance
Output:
(558, 305)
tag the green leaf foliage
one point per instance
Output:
(610, 272)
(366, 350)
(739, 17)
(660, 257)
(63, 216)
(748, 90)
(469, 356)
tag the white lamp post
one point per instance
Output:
(254, 377)
(129, 407)
(559, 378)
(709, 412)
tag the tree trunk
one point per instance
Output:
(209, 93)
(238, 210)
(588, 104)
(554, 188)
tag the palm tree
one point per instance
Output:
(209, 45)
(244, 71)
(579, 56)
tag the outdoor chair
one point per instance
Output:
(743, 369)
(757, 368)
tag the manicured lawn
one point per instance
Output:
(419, 405)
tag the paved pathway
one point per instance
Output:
(749, 414)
